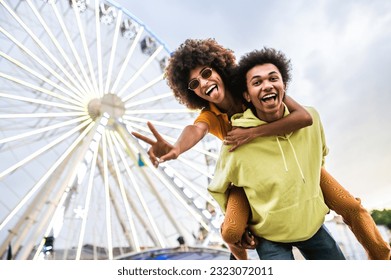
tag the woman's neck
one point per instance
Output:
(229, 106)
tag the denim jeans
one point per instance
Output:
(321, 246)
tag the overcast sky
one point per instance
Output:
(340, 52)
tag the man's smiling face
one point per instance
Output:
(266, 90)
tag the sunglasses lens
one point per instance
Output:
(193, 84)
(206, 73)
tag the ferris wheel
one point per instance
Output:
(76, 77)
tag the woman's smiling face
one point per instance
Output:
(211, 89)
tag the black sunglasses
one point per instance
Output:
(205, 74)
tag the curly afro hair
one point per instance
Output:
(259, 57)
(191, 54)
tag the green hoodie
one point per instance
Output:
(280, 176)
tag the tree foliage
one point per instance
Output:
(382, 217)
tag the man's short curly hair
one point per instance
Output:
(259, 57)
(191, 54)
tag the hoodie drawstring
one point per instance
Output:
(282, 154)
(294, 154)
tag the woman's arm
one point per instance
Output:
(189, 137)
(161, 150)
(298, 118)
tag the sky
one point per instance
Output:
(340, 53)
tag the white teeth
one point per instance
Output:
(272, 95)
(209, 90)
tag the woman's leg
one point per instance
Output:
(235, 222)
(355, 216)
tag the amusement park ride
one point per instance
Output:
(76, 77)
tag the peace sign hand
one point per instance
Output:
(160, 150)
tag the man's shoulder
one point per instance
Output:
(310, 108)
(312, 111)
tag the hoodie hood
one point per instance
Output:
(248, 119)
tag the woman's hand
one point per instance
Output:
(238, 136)
(249, 240)
(160, 148)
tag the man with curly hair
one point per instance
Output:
(279, 174)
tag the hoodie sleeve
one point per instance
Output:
(325, 149)
(219, 186)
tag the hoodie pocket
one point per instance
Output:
(294, 223)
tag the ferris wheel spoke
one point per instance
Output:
(40, 102)
(169, 186)
(64, 191)
(58, 203)
(193, 166)
(40, 61)
(39, 184)
(86, 50)
(128, 56)
(37, 40)
(51, 197)
(105, 175)
(143, 88)
(37, 88)
(140, 70)
(42, 115)
(148, 100)
(87, 200)
(41, 77)
(118, 178)
(113, 52)
(157, 237)
(58, 46)
(41, 130)
(99, 48)
(157, 111)
(160, 123)
(133, 146)
(45, 148)
(191, 185)
(87, 85)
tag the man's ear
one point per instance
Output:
(246, 96)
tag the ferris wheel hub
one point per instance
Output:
(109, 103)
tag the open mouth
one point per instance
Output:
(269, 97)
(210, 89)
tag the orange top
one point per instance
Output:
(217, 121)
